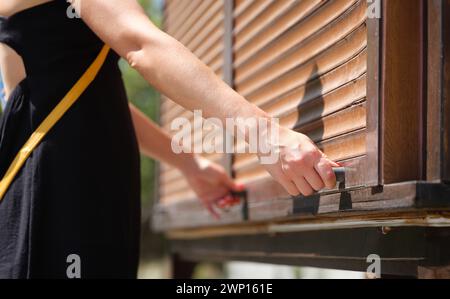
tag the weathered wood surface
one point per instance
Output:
(398, 94)
(411, 196)
(402, 250)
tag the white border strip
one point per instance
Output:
(417, 222)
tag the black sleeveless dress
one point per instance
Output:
(79, 192)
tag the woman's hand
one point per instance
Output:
(211, 183)
(302, 169)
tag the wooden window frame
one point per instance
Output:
(339, 230)
(358, 177)
(379, 190)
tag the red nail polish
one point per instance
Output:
(221, 203)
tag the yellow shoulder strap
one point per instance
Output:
(70, 98)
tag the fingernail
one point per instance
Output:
(241, 187)
(235, 201)
(228, 198)
(222, 203)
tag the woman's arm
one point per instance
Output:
(209, 180)
(163, 61)
(176, 72)
(156, 144)
(12, 68)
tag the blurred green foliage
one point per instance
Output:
(144, 97)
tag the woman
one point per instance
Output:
(78, 192)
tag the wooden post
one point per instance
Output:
(372, 175)
(402, 91)
(228, 71)
(438, 104)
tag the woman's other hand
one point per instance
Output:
(211, 183)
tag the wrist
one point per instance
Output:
(277, 138)
(187, 163)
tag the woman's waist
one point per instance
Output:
(70, 63)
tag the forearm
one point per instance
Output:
(181, 76)
(156, 144)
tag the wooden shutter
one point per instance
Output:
(374, 94)
(313, 64)
(305, 63)
(198, 24)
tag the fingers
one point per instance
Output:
(302, 168)
(209, 200)
(222, 197)
(290, 187)
(296, 183)
(228, 202)
(304, 187)
(210, 207)
(325, 169)
(231, 184)
(224, 202)
(310, 172)
(335, 164)
(298, 167)
(314, 179)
